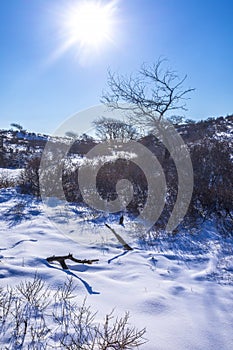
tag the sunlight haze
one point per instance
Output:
(54, 63)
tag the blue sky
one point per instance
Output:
(40, 91)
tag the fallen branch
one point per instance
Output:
(61, 260)
(119, 238)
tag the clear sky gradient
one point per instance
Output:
(41, 87)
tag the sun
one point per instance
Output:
(89, 24)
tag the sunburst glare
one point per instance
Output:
(88, 26)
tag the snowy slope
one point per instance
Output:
(181, 290)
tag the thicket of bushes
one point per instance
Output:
(212, 193)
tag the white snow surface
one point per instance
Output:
(180, 290)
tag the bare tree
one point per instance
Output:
(176, 119)
(17, 126)
(149, 98)
(152, 93)
(71, 134)
(114, 129)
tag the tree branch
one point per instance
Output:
(119, 238)
(153, 91)
(61, 260)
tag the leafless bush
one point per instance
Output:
(6, 300)
(35, 293)
(118, 334)
(29, 179)
(6, 181)
(114, 333)
(34, 318)
(77, 330)
(213, 177)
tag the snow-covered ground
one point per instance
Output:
(181, 290)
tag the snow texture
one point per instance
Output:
(180, 290)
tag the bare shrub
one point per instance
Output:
(6, 181)
(213, 177)
(29, 179)
(35, 292)
(118, 334)
(34, 318)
